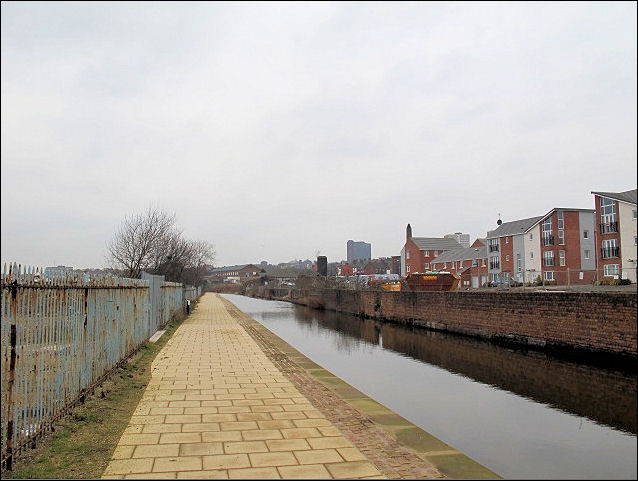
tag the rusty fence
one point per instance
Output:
(60, 337)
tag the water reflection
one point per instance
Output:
(604, 395)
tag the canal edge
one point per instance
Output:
(448, 461)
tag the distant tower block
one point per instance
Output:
(322, 266)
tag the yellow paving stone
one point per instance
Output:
(278, 401)
(254, 417)
(184, 418)
(300, 433)
(199, 427)
(184, 404)
(162, 428)
(352, 469)
(261, 434)
(329, 431)
(217, 418)
(127, 466)
(128, 439)
(351, 454)
(312, 423)
(216, 403)
(289, 415)
(147, 419)
(308, 471)
(135, 429)
(169, 438)
(235, 409)
(276, 424)
(180, 463)
(151, 476)
(221, 436)
(282, 458)
(254, 473)
(200, 449)
(156, 451)
(226, 461)
(166, 410)
(201, 410)
(314, 414)
(123, 452)
(212, 474)
(238, 425)
(287, 444)
(245, 447)
(267, 409)
(318, 456)
(331, 442)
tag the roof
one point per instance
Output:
(572, 209)
(628, 196)
(289, 273)
(515, 227)
(435, 243)
(464, 254)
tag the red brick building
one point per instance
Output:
(469, 263)
(418, 252)
(615, 234)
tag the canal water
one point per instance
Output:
(523, 414)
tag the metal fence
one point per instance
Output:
(61, 336)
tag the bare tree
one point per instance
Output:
(139, 237)
(150, 242)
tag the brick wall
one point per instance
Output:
(594, 321)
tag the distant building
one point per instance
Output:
(361, 251)
(463, 239)
(469, 263)
(346, 270)
(616, 239)
(395, 265)
(322, 265)
(57, 271)
(418, 252)
(233, 273)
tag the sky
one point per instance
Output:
(280, 130)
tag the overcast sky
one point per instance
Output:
(275, 130)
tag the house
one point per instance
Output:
(469, 263)
(346, 270)
(233, 273)
(418, 252)
(615, 234)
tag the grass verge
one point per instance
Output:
(83, 441)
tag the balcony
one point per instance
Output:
(548, 262)
(548, 240)
(495, 265)
(608, 227)
(494, 248)
(609, 252)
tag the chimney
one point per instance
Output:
(408, 232)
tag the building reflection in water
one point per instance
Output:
(605, 394)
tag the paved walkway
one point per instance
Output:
(217, 407)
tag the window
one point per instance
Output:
(445, 265)
(507, 258)
(548, 258)
(608, 216)
(427, 265)
(407, 255)
(549, 275)
(495, 262)
(634, 213)
(531, 236)
(610, 248)
(531, 255)
(548, 238)
(635, 240)
(586, 254)
(519, 267)
(611, 269)
(561, 258)
(426, 254)
(507, 240)
(561, 237)
(561, 219)
(585, 234)
(493, 245)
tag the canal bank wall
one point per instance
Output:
(595, 321)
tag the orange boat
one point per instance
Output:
(432, 281)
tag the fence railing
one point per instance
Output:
(60, 336)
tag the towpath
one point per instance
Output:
(217, 407)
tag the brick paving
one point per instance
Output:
(218, 408)
(391, 458)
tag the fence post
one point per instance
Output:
(12, 376)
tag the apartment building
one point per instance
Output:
(418, 252)
(615, 234)
(513, 251)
